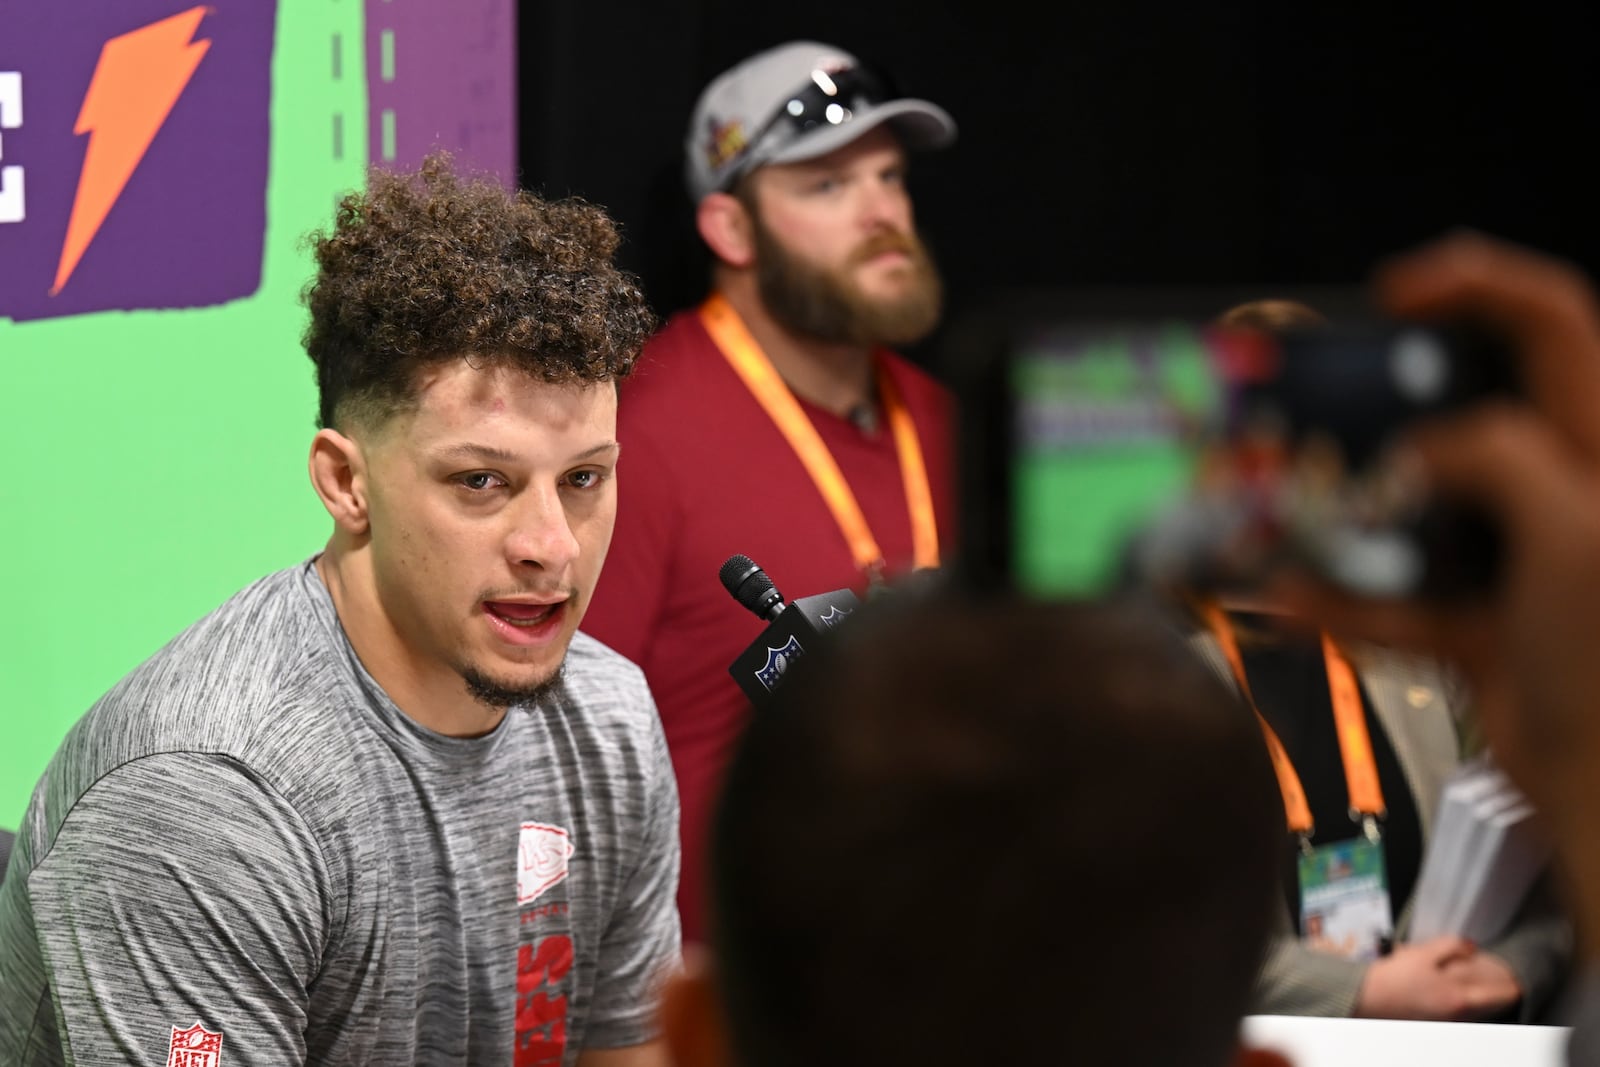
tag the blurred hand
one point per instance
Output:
(1444, 979)
(1487, 979)
(1532, 651)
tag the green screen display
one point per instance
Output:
(163, 163)
(1105, 428)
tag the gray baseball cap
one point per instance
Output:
(797, 101)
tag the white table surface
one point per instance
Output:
(1315, 1042)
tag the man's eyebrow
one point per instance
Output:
(604, 446)
(490, 453)
(468, 450)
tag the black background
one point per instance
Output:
(1260, 146)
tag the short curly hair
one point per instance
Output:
(429, 266)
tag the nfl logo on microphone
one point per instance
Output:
(195, 1047)
(778, 661)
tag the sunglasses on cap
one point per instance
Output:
(828, 99)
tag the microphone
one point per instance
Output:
(751, 586)
(791, 628)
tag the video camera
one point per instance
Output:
(1103, 449)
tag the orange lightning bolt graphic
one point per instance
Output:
(139, 78)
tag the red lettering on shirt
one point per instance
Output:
(531, 914)
(542, 1019)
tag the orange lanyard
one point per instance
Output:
(728, 331)
(1355, 745)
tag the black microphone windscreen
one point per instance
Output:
(750, 585)
(735, 571)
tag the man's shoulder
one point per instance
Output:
(246, 642)
(223, 685)
(662, 407)
(682, 332)
(679, 359)
(244, 690)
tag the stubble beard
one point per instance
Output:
(828, 304)
(500, 695)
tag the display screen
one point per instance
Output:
(1107, 427)
(160, 164)
(1173, 451)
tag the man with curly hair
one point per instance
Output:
(774, 420)
(386, 806)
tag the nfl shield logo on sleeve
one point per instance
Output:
(195, 1047)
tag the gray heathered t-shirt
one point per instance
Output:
(246, 837)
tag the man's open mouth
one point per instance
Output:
(527, 615)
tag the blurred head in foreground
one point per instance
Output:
(1272, 315)
(988, 812)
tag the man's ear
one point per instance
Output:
(338, 473)
(726, 228)
(691, 1015)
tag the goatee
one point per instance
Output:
(497, 694)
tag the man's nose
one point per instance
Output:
(885, 206)
(541, 534)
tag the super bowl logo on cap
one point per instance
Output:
(778, 661)
(724, 141)
(195, 1047)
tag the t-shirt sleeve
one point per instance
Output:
(180, 891)
(642, 944)
(632, 588)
